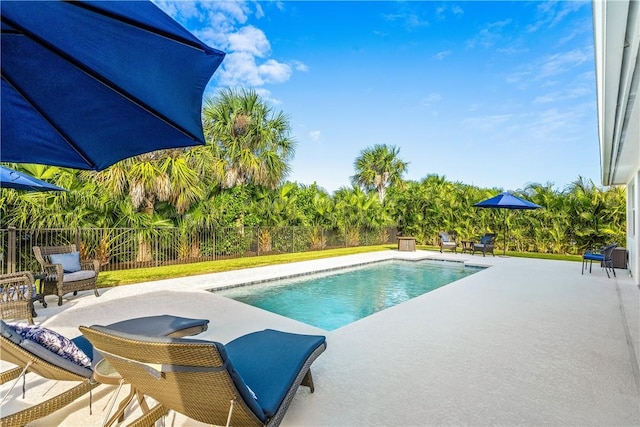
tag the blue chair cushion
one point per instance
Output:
(593, 257)
(269, 362)
(78, 275)
(158, 326)
(70, 261)
(485, 240)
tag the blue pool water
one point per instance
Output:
(331, 300)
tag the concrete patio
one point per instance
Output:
(525, 342)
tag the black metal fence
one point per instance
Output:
(126, 248)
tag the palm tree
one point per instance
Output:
(252, 142)
(378, 167)
(148, 179)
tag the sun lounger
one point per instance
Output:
(249, 381)
(36, 355)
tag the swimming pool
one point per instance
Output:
(336, 298)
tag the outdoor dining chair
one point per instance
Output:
(603, 256)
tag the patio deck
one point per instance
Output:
(525, 342)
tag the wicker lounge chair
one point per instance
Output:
(29, 356)
(249, 381)
(603, 256)
(448, 241)
(65, 272)
(485, 245)
(16, 296)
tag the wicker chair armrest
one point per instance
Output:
(92, 264)
(54, 272)
(16, 285)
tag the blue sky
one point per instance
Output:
(494, 94)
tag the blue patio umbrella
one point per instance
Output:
(86, 84)
(10, 178)
(506, 200)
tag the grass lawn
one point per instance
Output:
(126, 277)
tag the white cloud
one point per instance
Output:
(518, 77)
(240, 68)
(299, 66)
(544, 99)
(561, 62)
(431, 98)
(442, 54)
(273, 71)
(250, 39)
(457, 10)
(488, 122)
(223, 25)
(314, 135)
(489, 35)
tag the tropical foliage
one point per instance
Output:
(238, 180)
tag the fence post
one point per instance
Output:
(78, 240)
(345, 236)
(11, 250)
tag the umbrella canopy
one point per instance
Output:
(86, 84)
(506, 200)
(21, 181)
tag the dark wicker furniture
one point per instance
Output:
(16, 296)
(59, 283)
(485, 244)
(447, 241)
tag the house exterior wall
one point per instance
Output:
(633, 221)
(616, 26)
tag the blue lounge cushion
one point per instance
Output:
(70, 261)
(444, 237)
(269, 361)
(161, 326)
(485, 240)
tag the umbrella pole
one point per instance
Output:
(504, 249)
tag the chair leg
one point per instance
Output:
(59, 300)
(95, 291)
(308, 381)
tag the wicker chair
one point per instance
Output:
(16, 296)
(485, 245)
(31, 357)
(249, 381)
(447, 241)
(60, 282)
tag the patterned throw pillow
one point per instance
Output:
(53, 341)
